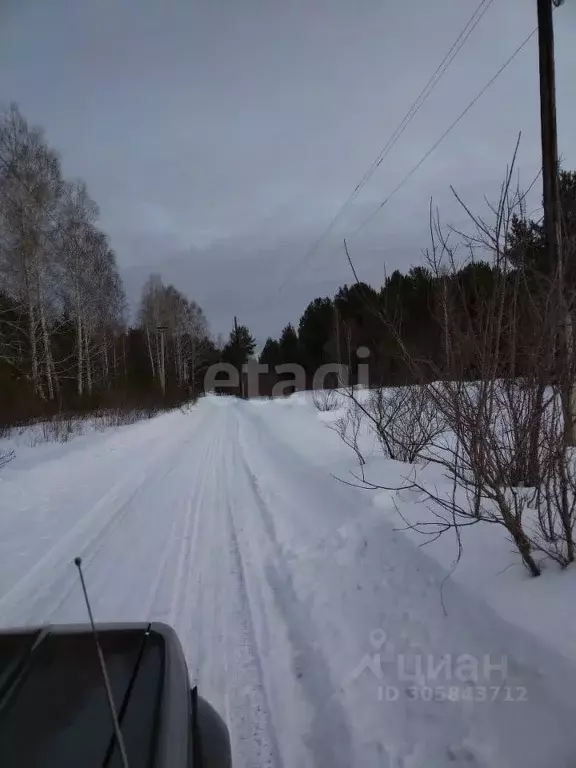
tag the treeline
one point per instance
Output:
(402, 315)
(65, 340)
(402, 324)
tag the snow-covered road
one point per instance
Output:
(303, 614)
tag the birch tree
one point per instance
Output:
(77, 215)
(175, 329)
(30, 190)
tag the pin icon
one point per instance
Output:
(377, 638)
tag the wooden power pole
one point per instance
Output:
(552, 204)
(549, 132)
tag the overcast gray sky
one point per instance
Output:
(220, 137)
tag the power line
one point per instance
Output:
(423, 95)
(446, 133)
(416, 105)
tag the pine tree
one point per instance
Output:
(288, 348)
(239, 348)
(270, 354)
(314, 333)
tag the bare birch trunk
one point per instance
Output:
(34, 349)
(47, 350)
(106, 363)
(79, 348)
(88, 364)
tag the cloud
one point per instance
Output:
(220, 138)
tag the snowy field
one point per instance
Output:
(324, 634)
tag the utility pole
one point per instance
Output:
(552, 204)
(238, 355)
(549, 132)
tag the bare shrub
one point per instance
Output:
(348, 427)
(325, 399)
(61, 428)
(506, 397)
(497, 418)
(479, 460)
(511, 428)
(554, 498)
(5, 457)
(405, 421)
(120, 417)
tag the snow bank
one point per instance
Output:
(490, 566)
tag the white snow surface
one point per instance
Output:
(303, 611)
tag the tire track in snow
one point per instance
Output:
(133, 559)
(328, 738)
(43, 591)
(149, 610)
(189, 572)
(53, 578)
(182, 574)
(168, 593)
(257, 742)
(201, 622)
(259, 738)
